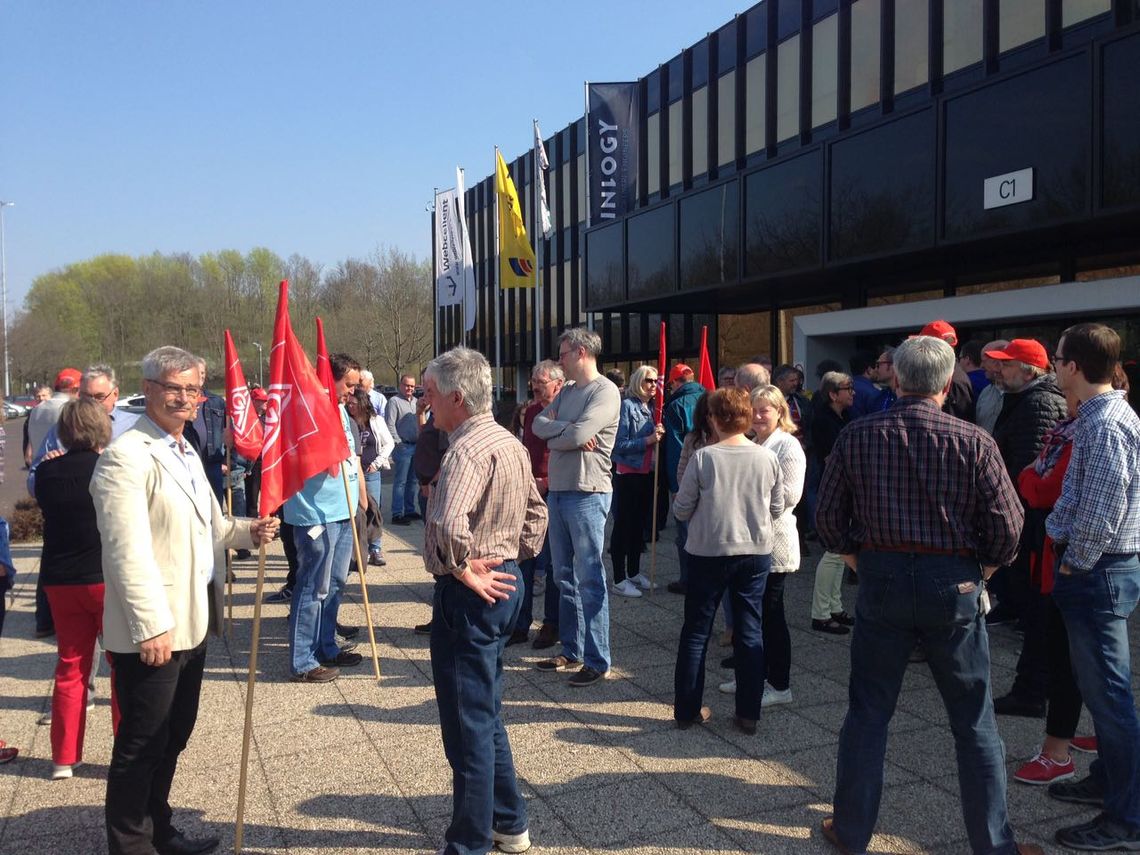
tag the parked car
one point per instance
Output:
(13, 410)
(131, 403)
(28, 402)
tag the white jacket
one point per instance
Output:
(793, 466)
(384, 443)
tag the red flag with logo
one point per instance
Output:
(662, 363)
(303, 430)
(706, 378)
(246, 427)
(324, 366)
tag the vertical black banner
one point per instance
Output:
(611, 138)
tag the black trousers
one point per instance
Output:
(1032, 680)
(159, 707)
(632, 502)
(777, 639)
(1064, 711)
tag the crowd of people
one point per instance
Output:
(934, 480)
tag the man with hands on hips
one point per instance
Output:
(164, 539)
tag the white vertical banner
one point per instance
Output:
(454, 272)
(466, 260)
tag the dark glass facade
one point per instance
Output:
(811, 152)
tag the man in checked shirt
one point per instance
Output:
(484, 515)
(920, 504)
(1095, 526)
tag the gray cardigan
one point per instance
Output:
(730, 495)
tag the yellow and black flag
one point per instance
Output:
(516, 257)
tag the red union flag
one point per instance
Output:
(706, 378)
(248, 434)
(324, 366)
(303, 429)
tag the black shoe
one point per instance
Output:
(587, 676)
(728, 662)
(423, 628)
(401, 521)
(843, 618)
(1000, 617)
(1086, 791)
(282, 596)
(547, 636)
(1012, 704)
(179, 844)
(675, 588)
(346, 646)
(347, 631)
(412, 516)
(1101, 834)
(519, 636)
(830, 626)
(45, 632)
(242, 555)
(344, 659)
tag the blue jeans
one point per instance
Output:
(744, 578)
(1095, 607)
(467, 641)
(530, 569)
(372, 487)
(904, 598)
(680, 539)
(322, 568)
(405, 487)
(577, 536)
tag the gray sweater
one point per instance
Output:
(579, 414)
(730, 495)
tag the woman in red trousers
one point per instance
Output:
(72, 572)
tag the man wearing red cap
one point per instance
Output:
(1031, 406)
(960, 400)
(677, 416)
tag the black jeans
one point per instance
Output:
(44, 622)
(633, 501)
(777, 639)
(1032, 680)
(159, 707)
(1065, 700)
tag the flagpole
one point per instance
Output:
(229, 557)
(536, 225)
(434, 274)
(498, 287)
(462, 203)
(239, 824)
(653, 545)
(360, 569)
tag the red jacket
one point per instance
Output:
(1041, 493)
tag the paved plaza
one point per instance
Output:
(356, 766)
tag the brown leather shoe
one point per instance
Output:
(547, 636)
(701, 717)
(320, 674)
(828, 829)
(1029, 849)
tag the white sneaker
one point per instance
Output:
(626, 588)
(45, 718)
(511, 843)
(775, 697)
(59, 773)
(729, 688)
(642, 581)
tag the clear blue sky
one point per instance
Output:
(311, 127)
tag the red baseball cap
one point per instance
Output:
(67, 378)
(258, 394)
(1023, 350)
(680, 372)
(942, 330)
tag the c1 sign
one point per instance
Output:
(1009, 189)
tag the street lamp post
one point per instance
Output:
(260, 373)
(4, 292)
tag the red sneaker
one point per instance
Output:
(1084, 744)
(1043, 770)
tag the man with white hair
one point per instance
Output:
(988, 406)
(751, 375)
(484, 515)
(368, 384)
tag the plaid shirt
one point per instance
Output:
(1099, 509)
(485, 503)
(915, 476)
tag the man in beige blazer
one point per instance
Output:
(164, 538)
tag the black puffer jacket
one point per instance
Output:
(1024, 419)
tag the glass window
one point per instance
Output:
(788, 18)
(674, 144)
(755, 74)
(568, 316)
(912, 43)
(726, 48)
(1075, 11)
(782, 215)
(709, 239)
(1121, 145)
(653, 153)
(788, 89)
(650, 244)
(676, 79)
(865, 20)
(700, 132)
(961, 35)
(567, 194)
(726, 119)
(552, 191)
(824, 70)
(1020, 21)
(699, 59)
(653, 91)
(756, 36)
(582, 188)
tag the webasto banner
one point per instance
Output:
(612, 142)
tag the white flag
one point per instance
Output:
(465, 259)
(448, 273)
(543, 165)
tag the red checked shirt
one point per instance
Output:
(915, 476)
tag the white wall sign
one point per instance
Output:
(1009, 189)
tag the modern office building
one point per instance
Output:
(818, 175)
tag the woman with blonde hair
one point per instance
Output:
(775, 430)
(633, 481)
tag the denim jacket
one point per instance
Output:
(635, 423)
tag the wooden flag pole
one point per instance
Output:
(229, 555)
(361, 569)
(653, 545)
(239, 824)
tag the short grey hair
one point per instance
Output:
(584, 338)
(831, 381)
(100, 369)
(1031, 370)
(752, 374)
(168, 360)
(366, 376)
(923, 365)
(550, 368)
(466, 371)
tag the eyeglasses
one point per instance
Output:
(99, 398)
(845, 389)
(1058, 358)
(172, 390)
(650, 381)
